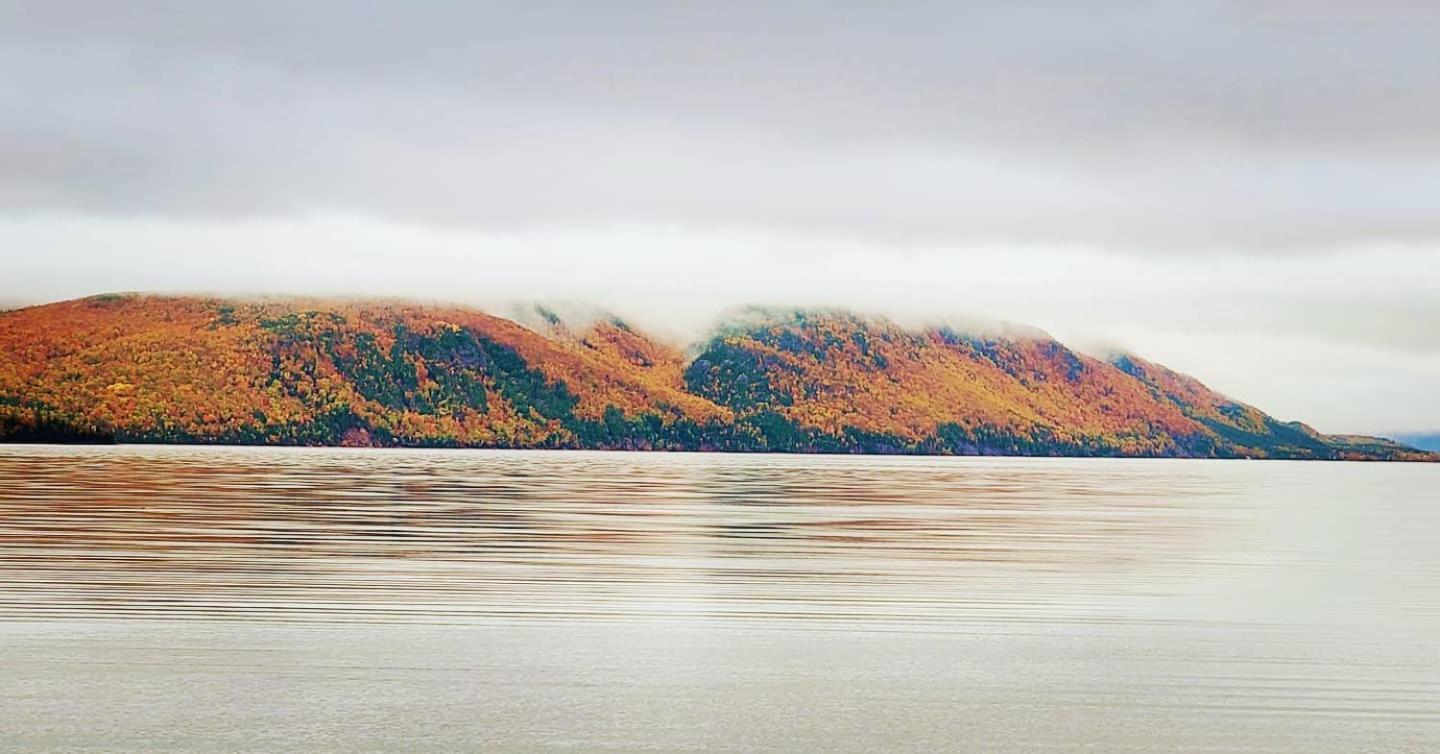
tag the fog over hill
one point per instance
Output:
(137, 368)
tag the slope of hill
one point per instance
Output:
(153, 369)
(1423, 441)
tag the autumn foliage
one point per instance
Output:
(153, 369)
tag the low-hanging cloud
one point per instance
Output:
(1349, 341)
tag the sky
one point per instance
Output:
(1248, 192)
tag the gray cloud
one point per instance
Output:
(1155, 126)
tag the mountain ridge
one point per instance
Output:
(143, 368)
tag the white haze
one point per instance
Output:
(1347, 341)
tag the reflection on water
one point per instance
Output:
(258, 597)
(316, 534)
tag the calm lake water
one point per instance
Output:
(299, 599)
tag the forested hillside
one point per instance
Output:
(155, 369)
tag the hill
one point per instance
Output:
(200, 370)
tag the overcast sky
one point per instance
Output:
(1249, 192)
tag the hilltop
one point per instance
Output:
(138, 368)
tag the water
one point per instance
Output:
(301, 599)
